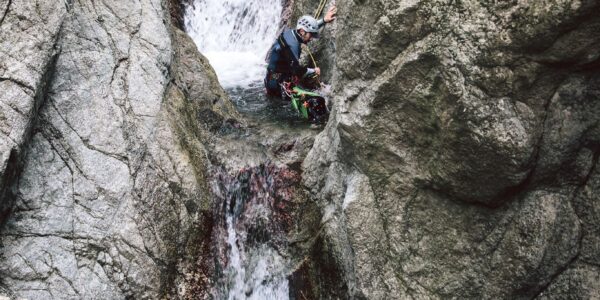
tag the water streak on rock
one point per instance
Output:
(253, 208)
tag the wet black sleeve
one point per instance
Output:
(298, 69)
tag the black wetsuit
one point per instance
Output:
(284, 61)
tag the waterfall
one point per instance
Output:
(235, 36)
(253, 208)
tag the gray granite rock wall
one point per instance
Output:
(103, 156)
(458, 160)
(29, 35)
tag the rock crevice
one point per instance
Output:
(460, 159)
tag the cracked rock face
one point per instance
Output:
(28, 46)
(101, 149)
(460, 160)
(461, 156)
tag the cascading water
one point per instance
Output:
(235, 36)
(254, 206)
(250, 234)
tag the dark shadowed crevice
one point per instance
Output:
(5, 12)
(177, 12)
(320, 275)
(569, 66)
(17, 157)
(7, 194)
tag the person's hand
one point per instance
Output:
(318, 71)
(330, 15)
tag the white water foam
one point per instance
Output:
(251, 269)
(235, 36)
(257, 275)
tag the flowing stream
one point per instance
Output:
(235, 36)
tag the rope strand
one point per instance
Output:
(317, 15)
(320, 9)
(311, 57)
(314, 64)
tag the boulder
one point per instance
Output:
(461, 140)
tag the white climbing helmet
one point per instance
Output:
(309, 24)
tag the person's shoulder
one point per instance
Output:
(288, 32)
(290, 37)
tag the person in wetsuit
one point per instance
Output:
(284, 56)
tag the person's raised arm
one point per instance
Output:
(330, 15)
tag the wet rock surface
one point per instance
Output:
(106, 196)
(115, 129)
(459, 157)
(265, 223)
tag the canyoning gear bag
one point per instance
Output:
(309, 105)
